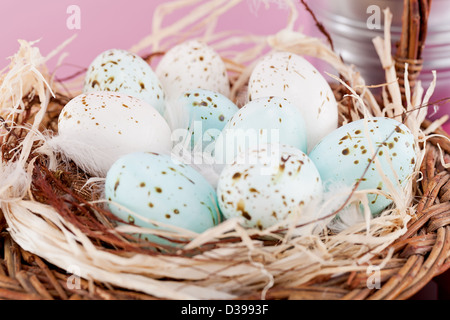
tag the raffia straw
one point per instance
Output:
(231, 268)
(383, 48)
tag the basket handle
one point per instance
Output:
(412, 41)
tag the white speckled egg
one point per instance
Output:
(291, 76)
(124, 72)
(265, 186)
(209, 112)
(261, 121)
(159, 188)
(95, 129)
(343, 156)
(192, 65)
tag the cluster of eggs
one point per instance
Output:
(277, 154)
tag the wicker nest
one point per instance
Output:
(59, 241)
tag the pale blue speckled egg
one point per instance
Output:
(262, 121)
(121, 71)
(346, 156)
(160, 188)
(209, 112)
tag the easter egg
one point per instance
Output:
(261, 121)
(95, 129)
(127, 73)
(192, 65)
(209, 112)
(265, 186)
(155, 187)
(347, 156)
(291, 76)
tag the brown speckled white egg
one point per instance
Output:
(95, 129)
(267, 185)
(292, 77)
(192, 65)
(121, 71)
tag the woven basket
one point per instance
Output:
(56, 225)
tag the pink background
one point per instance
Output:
(110, 24)
(122, 24)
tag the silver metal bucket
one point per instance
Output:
(350, 24)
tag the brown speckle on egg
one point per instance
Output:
(399, 130)
(259, 225)
(95, 83)
(241, 207)
(237, 176)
